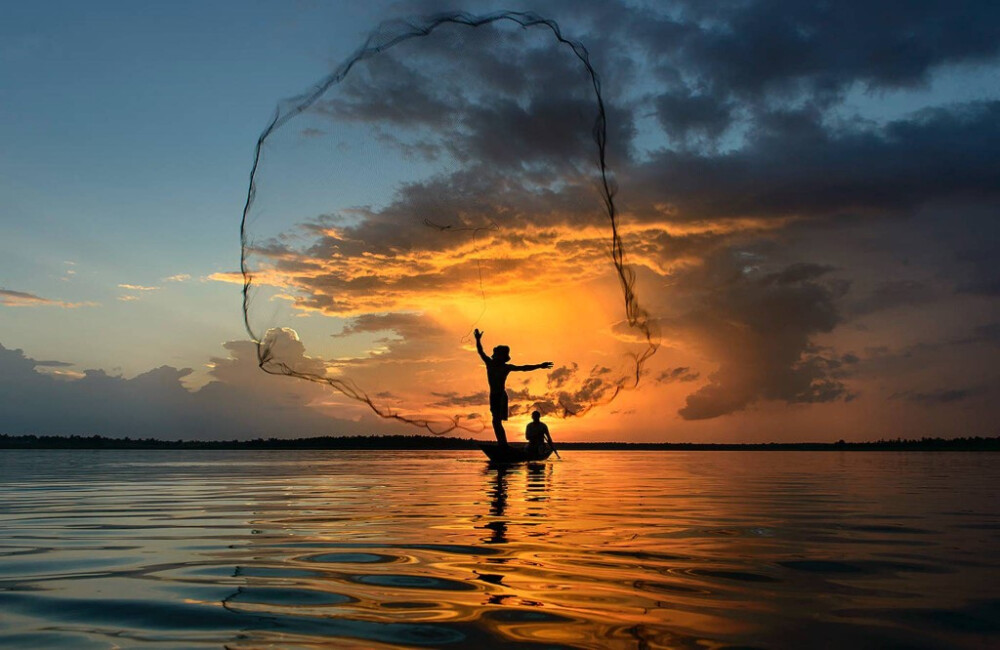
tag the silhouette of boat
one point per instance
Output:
(512, 453)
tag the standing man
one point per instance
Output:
(497, 369)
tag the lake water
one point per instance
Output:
(438, 549)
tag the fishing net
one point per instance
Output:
(454, 173)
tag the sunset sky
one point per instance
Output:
(808, 197)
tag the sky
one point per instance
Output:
(807, 196)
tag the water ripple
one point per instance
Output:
(414, 549)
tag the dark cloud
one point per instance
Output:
(515, 99)
(935, 397)
(755, 49)
(797, 273)
(52, 364)
(894, 293)
(965, 362)
(387, 90)
(405, 324)
(793, 164)
(759, 327)
(583, 396)
(682, 374)
(989, 333)
(981, 274)
(547, 130)
(452, 398)
(684, 115)
(558, 377)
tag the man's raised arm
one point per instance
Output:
(479, 347)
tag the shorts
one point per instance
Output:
(498, 405)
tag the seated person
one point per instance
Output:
(537, 434)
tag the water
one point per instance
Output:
(418, 549)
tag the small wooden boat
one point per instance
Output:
(513, 453)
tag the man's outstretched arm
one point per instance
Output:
(534, 366)
(479, 347)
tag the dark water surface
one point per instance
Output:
(437, 549)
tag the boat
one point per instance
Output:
(516, 452)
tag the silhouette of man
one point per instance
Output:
(497, 370)
(537, 434)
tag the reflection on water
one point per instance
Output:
(421, 549)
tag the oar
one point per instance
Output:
(553, 448)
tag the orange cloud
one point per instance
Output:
(339, 275)
(230, 277)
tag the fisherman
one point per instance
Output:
(537, 434)
(497, 369)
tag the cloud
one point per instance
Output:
(980, 275)
(409, 338)
(229, 277)
(180, 277)
(22, 299)
(895, 293)
(989, 333)
(796, 273)
(239, 402)
(401, 323)
(682, 374)
(956, 360)
(518, 143)
(685, 114)
(558, 377)
(939, 396)
(132, 297)
(392, 265)
(513, 100)
(759, 327)
(762, 48)
(751, 188)
(52, 364)
(12, 298)
(68, 273)
(137, 287)
(795, 164)
(452, 398)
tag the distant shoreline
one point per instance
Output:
(430, 443)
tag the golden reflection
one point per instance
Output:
(538, 479)
(497, 494)
(598, 550)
